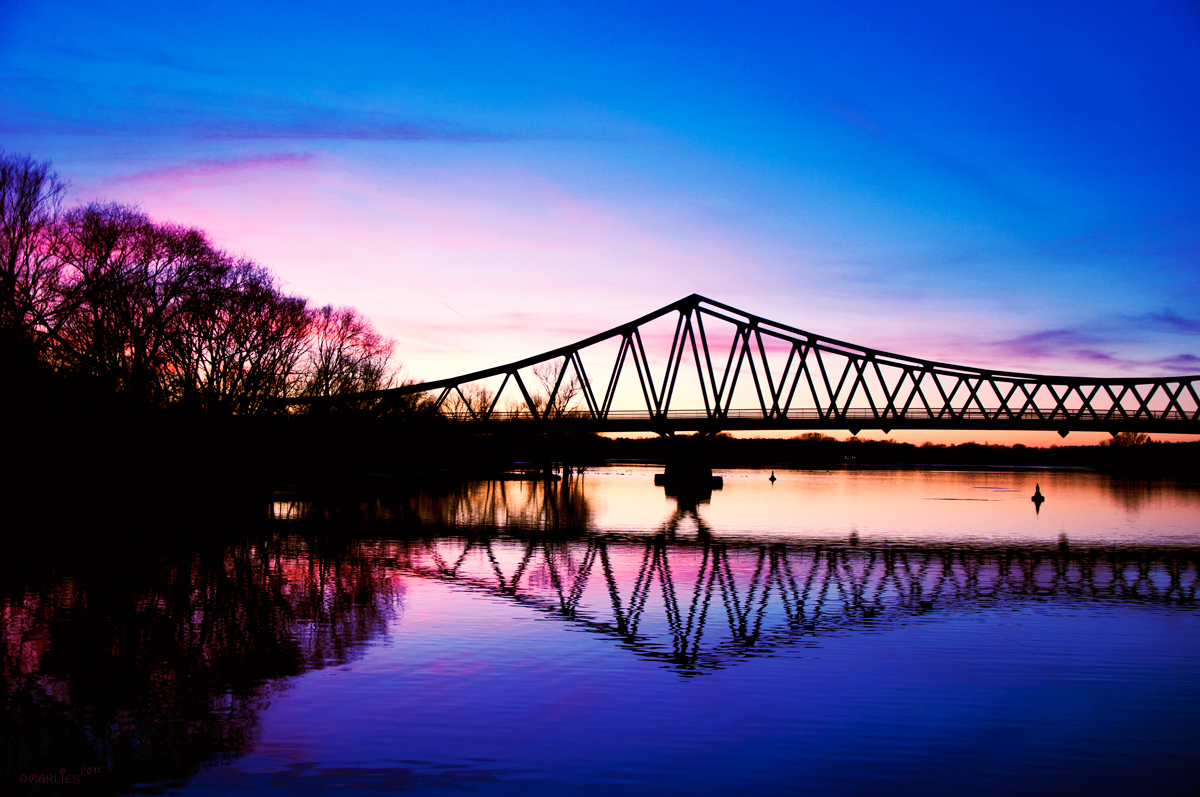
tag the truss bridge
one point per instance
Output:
(700, 365)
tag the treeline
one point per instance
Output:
(1127, 452)
(102, 297)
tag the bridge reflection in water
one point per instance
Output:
(682, 595)
(706, 604)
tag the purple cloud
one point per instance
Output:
(207, 168)
(854, 117)
(1046, 343)
(348, 130)
(1097, 356)
(201, 115)
(332, 130)
(1086, 346)
(1181, 361)
(1171, 322)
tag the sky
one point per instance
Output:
(1005, 185)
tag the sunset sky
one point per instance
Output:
(1005, 185)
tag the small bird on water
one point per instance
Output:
(772, 477)
(1037, 497)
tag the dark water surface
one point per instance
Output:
(868, 632)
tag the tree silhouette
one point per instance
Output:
(240, 349)
(1125, 439)
(30, 197)
(560, 392)
(157, 314)
(469, 400)
(345, 354)
(122, 288)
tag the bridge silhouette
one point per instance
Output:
(700, 365)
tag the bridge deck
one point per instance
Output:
(855, 419)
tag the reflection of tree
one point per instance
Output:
(525, 504)
(1135, 494)
(155, 665)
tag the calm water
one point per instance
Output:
(833, 632)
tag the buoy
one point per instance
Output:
(772, 477)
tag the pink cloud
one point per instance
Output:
(216, 167)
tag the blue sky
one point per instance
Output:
(1006, 185)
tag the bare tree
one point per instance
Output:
(1126, 439)
(30, 197)
(240, 348)
(122, 287)
(516, 405)
(345, 354)
(560, 392)
(469, 400)
(155, 312)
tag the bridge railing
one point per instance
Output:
(853, 414)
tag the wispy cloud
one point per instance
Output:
(1066, 345)
(854, 117)
(1049, 343)
(219, 166)
(974, 174)
(348, 129)
(1113, 344)
(1181, 361)
(1091, 355)
(134, 53)
(1169, 321)
(343, 128)
(36, 104)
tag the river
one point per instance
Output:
(842, 632)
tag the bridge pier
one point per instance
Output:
(688, 465)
